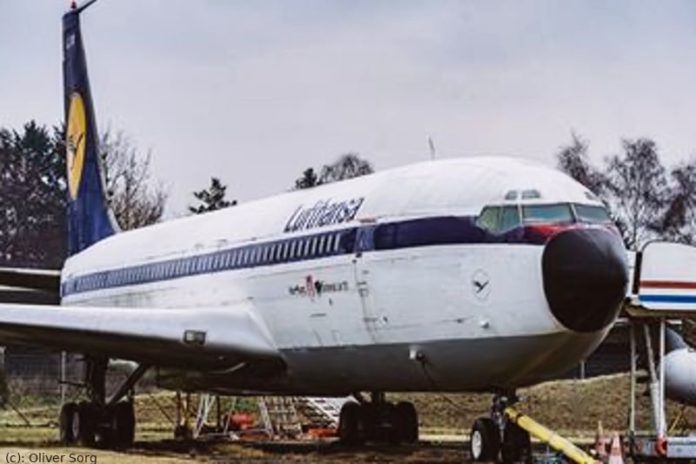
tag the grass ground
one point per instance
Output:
(570, 407)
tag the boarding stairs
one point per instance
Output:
(321, 412)
(285, 416)
(280, 416)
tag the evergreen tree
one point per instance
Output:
(308, 179)
(212, 198)
(33, 193)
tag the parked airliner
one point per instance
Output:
(471, 274)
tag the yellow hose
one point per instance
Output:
(550, 437)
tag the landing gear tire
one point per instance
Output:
(84, 421)
(122, 424)
(517, 446)
(351, 424)
(65, 424)
(484, 441)
(183, 432)
(406, 422)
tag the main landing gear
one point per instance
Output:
(98, 421)
(378, 421)
(493, 438)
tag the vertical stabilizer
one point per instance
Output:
(89, 218)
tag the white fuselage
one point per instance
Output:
(417, 312)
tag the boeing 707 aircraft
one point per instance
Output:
(475, 274)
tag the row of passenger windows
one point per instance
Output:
(500, 219)
(315, 246)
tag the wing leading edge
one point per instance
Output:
(197, 338)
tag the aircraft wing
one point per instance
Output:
(37, 279)
(195, 338)
(32, 286)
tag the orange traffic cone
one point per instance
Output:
(616, 455)
(601, 443)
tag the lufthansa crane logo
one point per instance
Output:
(481, 284)
(75, 142)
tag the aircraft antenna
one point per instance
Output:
(431, 146)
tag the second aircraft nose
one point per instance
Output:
(585, 277)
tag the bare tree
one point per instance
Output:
(637, 190)
(678, 222)
(345, 167)
(134, 198)
(574, 161)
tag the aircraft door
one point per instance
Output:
(374, 319)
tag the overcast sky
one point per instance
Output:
(255, 92)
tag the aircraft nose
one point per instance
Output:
(585, 276)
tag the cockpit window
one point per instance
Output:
(592, 214)
(488, 219)
(510, 218)
(558, 213)
(499, 219)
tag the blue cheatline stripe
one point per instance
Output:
(668, 298)
(431, 231)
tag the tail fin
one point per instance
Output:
(89, 217)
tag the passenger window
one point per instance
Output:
(313, 250)
(509, 219)
(488, 219)
(320, 248)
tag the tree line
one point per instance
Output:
(33, 190)
(646, 200)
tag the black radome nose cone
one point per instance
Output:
(585, 277)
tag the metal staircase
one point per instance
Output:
(324, 412)
(285, 416)
(280, 416)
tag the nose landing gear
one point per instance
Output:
(496, 438)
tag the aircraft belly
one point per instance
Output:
(447, 366)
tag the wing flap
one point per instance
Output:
(195, 338)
